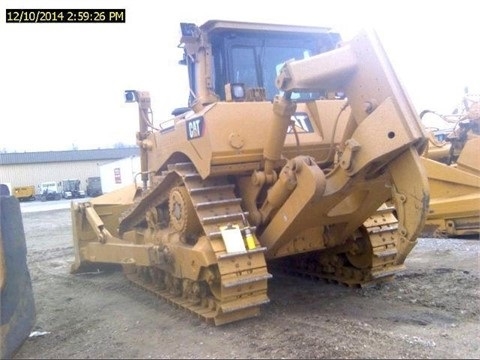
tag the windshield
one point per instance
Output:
(270, 60)
(49, 185)
(255, 59)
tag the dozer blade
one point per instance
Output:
(17, 307)
(455, 200)
(95, 221)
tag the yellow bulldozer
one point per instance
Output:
(452, 162)
(291, 147)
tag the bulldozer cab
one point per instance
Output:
(229, 61)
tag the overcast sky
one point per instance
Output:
(61, 85)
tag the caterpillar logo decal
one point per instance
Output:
(194, 128)
(302, 123)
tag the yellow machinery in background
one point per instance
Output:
(292, 143)
(24, 193)
(452, 161)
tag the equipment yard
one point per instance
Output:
(222, 219)
(430, 310)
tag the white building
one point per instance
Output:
(120, 173)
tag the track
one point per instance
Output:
(373, 255)
(238, 286)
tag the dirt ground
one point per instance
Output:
(431, 310)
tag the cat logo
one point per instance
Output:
(301, 122)
(194, 128)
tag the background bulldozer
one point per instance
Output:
(452, 162)
(291, 146)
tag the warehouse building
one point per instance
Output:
(33, 168)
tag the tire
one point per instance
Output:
(17, 312)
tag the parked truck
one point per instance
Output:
(94, 186)
(24, 193)
(49, 190)
(71, 189)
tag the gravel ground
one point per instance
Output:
(431, 310)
